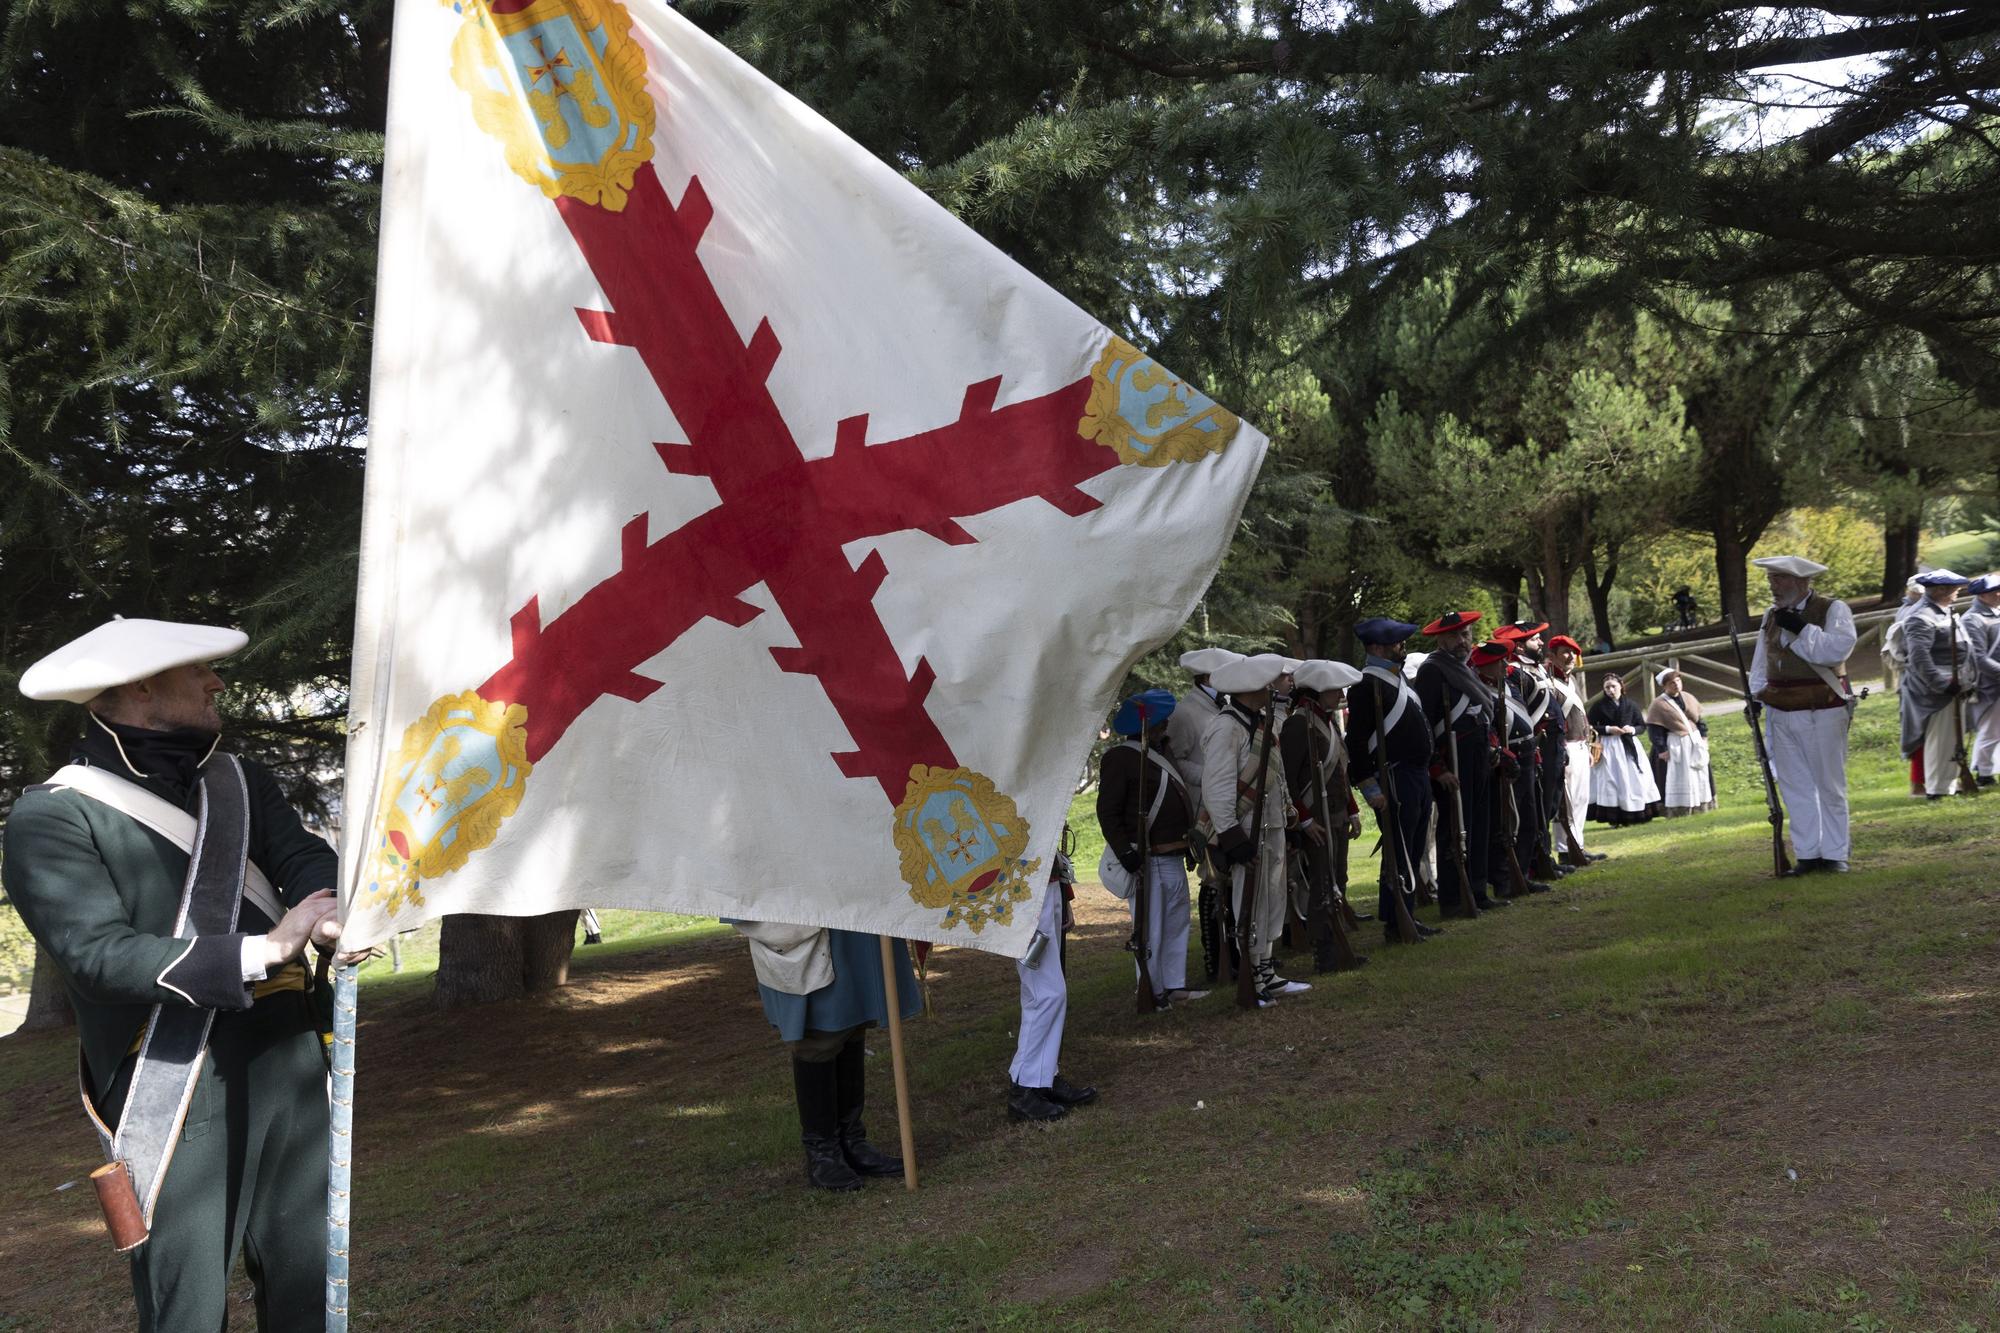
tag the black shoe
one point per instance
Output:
(850, 1097)
(1806, 865)
(593, 939)
(1424, 932)
(1833, 867)
(1032, 1104)
(1488, 904)
(1986, 780)
(814, 1082)
(1596, 856)
(1065, 1093)
(1536, 886)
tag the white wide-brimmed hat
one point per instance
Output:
(1247, 673)
(1203, 661)
(121, 652)
(1320, 674)
(1796, 565)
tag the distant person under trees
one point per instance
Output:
(1684, 609)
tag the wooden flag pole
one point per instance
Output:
(893, 1002)
(340, 1146)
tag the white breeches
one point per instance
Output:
(1986, 741)
(1167, 922)
(1809, 757)
(1576, 781)
(1941, 751)
(1044, 1004)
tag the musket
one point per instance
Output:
(1246, 971)
(1330, 943)
(1468, 906)
(1781, 864)
(1517, 879)
(1146, 1002)
(1340, 862)
(1393, 850)
(1968, 781)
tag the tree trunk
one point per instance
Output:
(1600, 588)
(1899, 554)
(1732, 576)
(1551, 582)
(48, 1004)
(483, 959)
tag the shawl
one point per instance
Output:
(1678, 721)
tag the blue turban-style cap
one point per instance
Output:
(1155, 706)
(1381, 629)
(1942, 578)
(1985, 583)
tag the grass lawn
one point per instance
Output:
(1673, 1094)
(1970, 553)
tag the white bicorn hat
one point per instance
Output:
(122, 651)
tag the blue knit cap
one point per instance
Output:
(1155, 705)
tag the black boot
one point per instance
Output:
(826, 1168)
(1065, 1093)
(851, 1096)
(1032, 1104)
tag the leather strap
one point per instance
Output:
(170, 1052)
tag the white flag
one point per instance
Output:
(744, 535)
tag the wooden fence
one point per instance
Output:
(1709, 665)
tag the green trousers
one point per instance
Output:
(248, 1177)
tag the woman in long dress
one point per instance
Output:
(1622, 790)
(1680, 748)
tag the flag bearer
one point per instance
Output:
(203, 1066)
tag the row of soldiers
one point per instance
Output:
(1476, 766)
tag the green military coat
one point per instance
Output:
(100, 892)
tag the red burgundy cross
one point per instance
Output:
(782, 518)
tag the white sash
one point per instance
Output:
(1404, 694)
(165, 818)
(1160, 792)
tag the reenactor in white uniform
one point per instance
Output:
(1231, 785)
(1798, 676)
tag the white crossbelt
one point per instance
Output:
(1403, 696)
(165, 818)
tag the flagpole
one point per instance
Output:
(340, 1147)
(894, 1004)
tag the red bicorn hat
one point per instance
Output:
(1452, 620)
(1565, 641)
(1488, 653)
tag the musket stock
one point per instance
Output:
(1393, 850)
(1246, 970)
